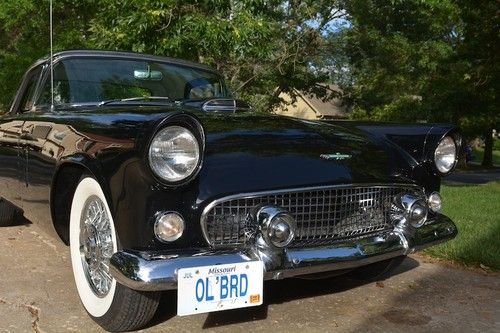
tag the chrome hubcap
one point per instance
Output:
(96, 245)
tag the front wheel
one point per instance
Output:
(93, 241)
(7, 213)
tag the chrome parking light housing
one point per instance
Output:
(410, 209)
(418, 214)
(277, 226)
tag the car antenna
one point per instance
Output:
(51, 60)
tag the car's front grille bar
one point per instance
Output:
(323, 215)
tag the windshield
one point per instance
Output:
(96, 80)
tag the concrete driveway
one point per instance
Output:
(37, 294)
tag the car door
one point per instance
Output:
(39, 155)
(10, 159)
(12, 153)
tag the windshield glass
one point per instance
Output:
(94, 80)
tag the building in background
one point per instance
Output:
(310, 107)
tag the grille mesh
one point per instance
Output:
(323, 216)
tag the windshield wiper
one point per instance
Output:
(140, 98)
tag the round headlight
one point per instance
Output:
(174, 153)
(445, 155)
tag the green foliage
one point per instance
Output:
(403, 109)
(411, 60)
(496, 144)
(394, 48)
(425, 60)
(24, 35)
(263, 47)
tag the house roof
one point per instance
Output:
(332, 108)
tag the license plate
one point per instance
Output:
(219, 287)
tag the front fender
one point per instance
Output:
(85, 163)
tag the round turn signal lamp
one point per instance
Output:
(435, 202)
(169, 227)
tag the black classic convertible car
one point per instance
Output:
(158, 179)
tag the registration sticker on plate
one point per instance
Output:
(219, 287)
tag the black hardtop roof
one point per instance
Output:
(125, 55)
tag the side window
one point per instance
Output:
(27, 99)
(61, 88)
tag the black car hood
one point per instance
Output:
(250, 153)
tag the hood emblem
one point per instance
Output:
(336, 156)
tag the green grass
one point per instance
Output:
(479, 153)
(476, 211)
(496, 144)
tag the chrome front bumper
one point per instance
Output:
(158, 271)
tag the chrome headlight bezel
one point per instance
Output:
(192, 130)
(445, 155)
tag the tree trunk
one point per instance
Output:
(488, 148)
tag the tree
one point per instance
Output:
(480, 49)
(425, 60)
(264, 47)
(24, 35)
(394, 47)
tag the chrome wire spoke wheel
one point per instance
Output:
(96, 245)
(93, 241)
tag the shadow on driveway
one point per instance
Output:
(275, 292)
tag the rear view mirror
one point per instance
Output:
(141, 74)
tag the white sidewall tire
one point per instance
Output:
(95, 306)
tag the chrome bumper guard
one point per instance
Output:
(158, 271)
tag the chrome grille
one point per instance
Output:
(323, 215)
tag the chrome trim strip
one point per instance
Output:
(158, 271)
(250, 195)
